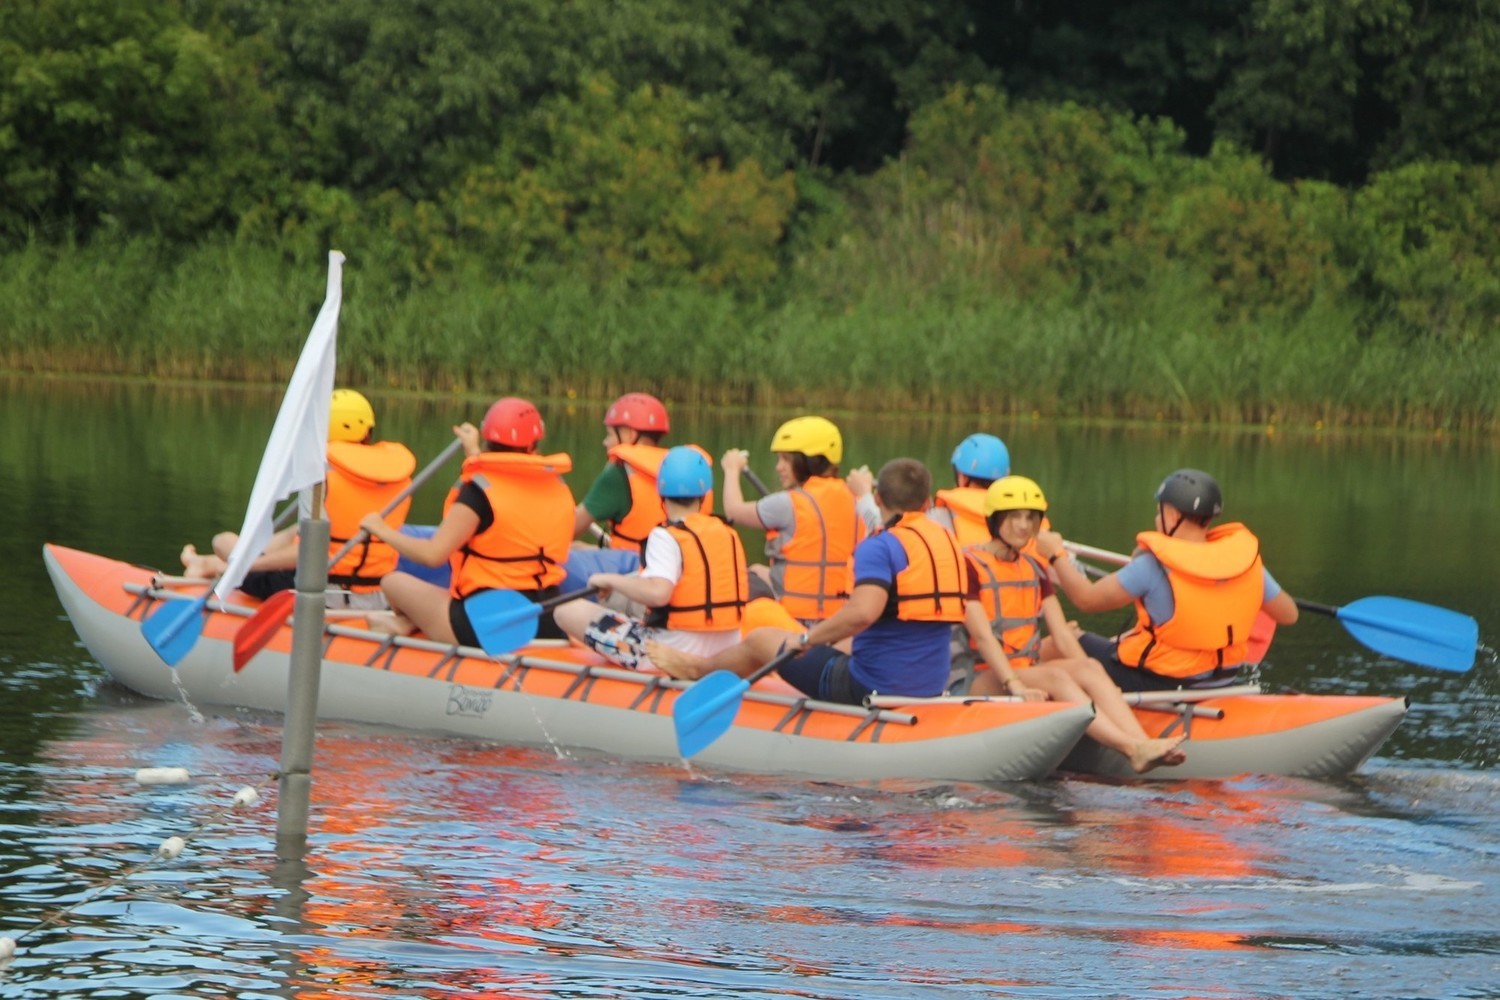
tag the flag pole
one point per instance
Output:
(300, 732)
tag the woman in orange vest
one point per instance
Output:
(1013, 595)
(507, 524)
(911, 587)
(1196, 590)
(812, 523)
(694, 580)
(363, 475)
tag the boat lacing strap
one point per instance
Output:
(652, 686)
(585, 676)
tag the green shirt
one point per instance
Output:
(608, 499)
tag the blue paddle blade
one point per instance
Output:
(174, 627)
(503, 620)
(703, 712)
(1412, 631)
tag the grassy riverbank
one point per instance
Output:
(237, 312)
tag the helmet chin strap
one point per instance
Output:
(1161, 512)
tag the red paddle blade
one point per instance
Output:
(258, 629)
(1261, 635)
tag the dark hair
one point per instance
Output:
(904, 484)
(514, 449)
(804, 467)
(978, 482)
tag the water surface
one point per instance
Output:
(438, 866)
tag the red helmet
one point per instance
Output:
(638, 411)
(513, 422)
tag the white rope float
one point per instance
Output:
(168, 850)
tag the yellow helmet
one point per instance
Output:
(350, 417)
(810, 436)
(1013, 493)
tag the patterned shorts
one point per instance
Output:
(618, 638)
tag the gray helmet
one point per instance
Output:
(1192, 492)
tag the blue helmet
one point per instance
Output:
(982, 456)
(684, 473)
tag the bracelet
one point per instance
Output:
(1052, 560)
(802, 639)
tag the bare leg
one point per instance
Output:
(199, 566)
(1130, 740)
(414, 603)
(575, 617)
(224, 543)
(759, 648)
(1089, 675)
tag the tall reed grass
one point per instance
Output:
(228, 311)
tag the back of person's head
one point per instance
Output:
(512, 424)
(350, 416)
(1193, 493)
(982, 457)
(904, 485)
(642, 413)
(804, 467)
(685, 476)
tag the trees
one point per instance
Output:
(118, 114)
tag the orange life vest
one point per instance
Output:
(362, 479)
(966, 504)
(935, 583)
(811, 569)
(642, 462)
(1011, 592)
(710, 596)
(526, 548)
(1218, 587)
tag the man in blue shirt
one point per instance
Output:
(891, 637)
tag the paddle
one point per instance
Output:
(1423, 634)
(705, 711)
(757, 482)
(504, 620)
(1408, 630)
(174, 627)
(268, 618)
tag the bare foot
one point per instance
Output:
(674, 662)
(390, 622)
(1151, 754)
(200, 567)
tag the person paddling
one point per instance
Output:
(1196, 590)
(812, 522)
(891, 636)
(506, 524)
(364, 475)
(1013, 597)
(694, 579)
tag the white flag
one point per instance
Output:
(296, 456)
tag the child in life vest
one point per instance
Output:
(693, 578)
(1012, 597)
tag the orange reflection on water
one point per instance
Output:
(1204, 829)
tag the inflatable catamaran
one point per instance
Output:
(568, 697)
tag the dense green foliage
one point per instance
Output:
(1229, 210)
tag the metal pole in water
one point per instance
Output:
(302, 682)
